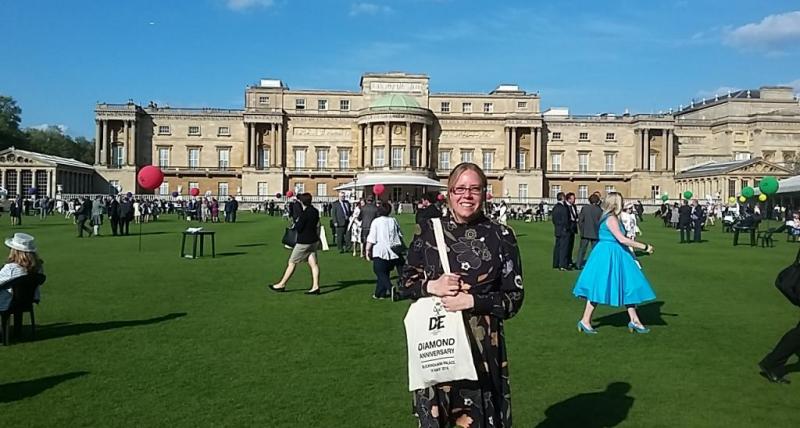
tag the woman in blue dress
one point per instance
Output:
(612, 275)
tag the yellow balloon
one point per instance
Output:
(742, 199)
(731, 200)
(762, 197)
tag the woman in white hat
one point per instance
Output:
(22, 260)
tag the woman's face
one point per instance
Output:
(466, 196)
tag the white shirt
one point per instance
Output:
(7, 273)
(383, 233)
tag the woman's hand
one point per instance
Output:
(447, 285)
(461, 302)
(650, 249)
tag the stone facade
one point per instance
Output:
(317, 140)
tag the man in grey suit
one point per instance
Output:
(368, 213)
(340, 213)
(589, 225)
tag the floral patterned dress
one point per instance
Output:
(485, 253)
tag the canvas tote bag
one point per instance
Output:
(438, 346)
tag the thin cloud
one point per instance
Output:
(772, 35)
(795, 84)
(369, 9)
(239, 5)
(720, 91)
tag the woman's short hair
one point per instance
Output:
(612, 204)
(594, 198)
(384, 209)
(305, 199)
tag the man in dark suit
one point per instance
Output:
(368, 213)
(83, 215)
(573, 228)
(234, 207)
(698, 218)
(561, 230)
(340, 214)
(685, 221)
(428, 208)
(589, 225)
(125, 216)
(113, 214)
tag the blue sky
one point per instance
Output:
(60, 57)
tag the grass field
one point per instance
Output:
(150, 339)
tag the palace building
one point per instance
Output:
(394, 126)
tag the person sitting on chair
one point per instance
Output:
(22, 260)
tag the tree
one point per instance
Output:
(10, 133)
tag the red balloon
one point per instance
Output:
(489, 196)
(378, 189)
(440, 197)
(150, 177)
(194, 191)
(289, 194)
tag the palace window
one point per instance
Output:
(344, 105)
(322, 189)
(445, 106)
(489, 189)
(583, 162)
(745, 183)
(444, 160)
(263, 99)
(322, 104)
(488, 160)
(194, 185)
(380, 157)
(113, 187)
(194, 130)
(610, 136)
(522, 159)
(488, 108)
(583, 191)
(163, 130)
(299, 188)
(655, 191)
(555, 162)
(163, 190)
(344, 159)
(194, 158)
(653, 161)
(555, 189)
(415, 156)
(224, 131)
(263, 189)
(163, 157)
(222, 189)
(466, 156)
(224, 160)
(610, 189)
(610, 162)
(731, 188)
(466, 107)
(583, 136)
(522, 191)
(299, 103)
(117, 157)
(322, 158)
(397, 157)
(299, 158)
(742, 156)
(263, 157)
(522, 105)
(556, 136)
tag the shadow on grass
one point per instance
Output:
(16, 391)
(649, 313)
(57, 330)
(257, 244)
(341, 285)
(231, 253)
(591, 410)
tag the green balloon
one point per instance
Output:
(748, 192)
(664, 197)
(768, 185)
(688, 194)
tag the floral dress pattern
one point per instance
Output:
(485, 253)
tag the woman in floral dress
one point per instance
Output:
(486, 285)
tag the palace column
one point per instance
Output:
(407, 154)
(514, 155)
(387, 151)
(508, 147)
(103, 141)
(273, 154)
(97, 141)
(371, 144)
(646, 150)
(667, 150)
(251, 161)
(132, 145)
(19, 182)
(3, 179)
(424, 146)
(539, 149)
(360, 146)
(279, 128)
(254, 148)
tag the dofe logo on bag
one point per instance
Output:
(436, 322)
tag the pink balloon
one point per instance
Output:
(378, 189)
(440, 197)
(489, 196)
(289, 194)
(150, 177)
(194, 191)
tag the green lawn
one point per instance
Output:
(150, 339)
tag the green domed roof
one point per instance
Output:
(395, 100)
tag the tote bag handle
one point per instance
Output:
(438, 233)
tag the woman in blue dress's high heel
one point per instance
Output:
(612, 275)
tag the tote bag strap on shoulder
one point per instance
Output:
(438, 233)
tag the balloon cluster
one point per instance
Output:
(687, 194)
(664, 197)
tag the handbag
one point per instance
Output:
(788, 281)
(398, 247)
(289, 237)
(438, 347)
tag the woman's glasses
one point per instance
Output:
(462, 190)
